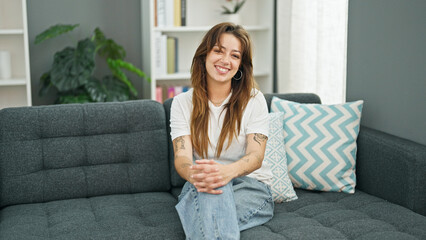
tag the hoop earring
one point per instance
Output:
(238, 78)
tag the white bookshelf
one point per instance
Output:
(256, 18)
(16, 90)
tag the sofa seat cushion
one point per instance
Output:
(330, 215)
(127, 216)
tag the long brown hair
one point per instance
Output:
(241, 90)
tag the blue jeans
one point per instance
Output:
(244, 203)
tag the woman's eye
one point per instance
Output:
(217, 51)
(236, 56)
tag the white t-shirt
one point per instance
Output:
(255, 120)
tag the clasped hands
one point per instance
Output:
(208, 175)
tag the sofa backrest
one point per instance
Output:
(176, 180)
(82, 150)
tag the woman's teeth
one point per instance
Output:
(222, 70)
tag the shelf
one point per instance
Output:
(12, 82)
(203, 29)
(174, 76)
(11, 31)
(187, 76)
(15, 90)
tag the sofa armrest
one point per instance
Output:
(392, 168)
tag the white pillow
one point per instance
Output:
(275, 157)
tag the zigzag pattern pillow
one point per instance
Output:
(320, 142)
(275, 156)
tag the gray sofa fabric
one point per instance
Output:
(148, 215)
(326, 215)
(73, 151)
(105, 171)
(396, 166)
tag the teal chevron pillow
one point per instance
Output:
(320, 141)
(275, 156)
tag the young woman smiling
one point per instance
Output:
(219, 130)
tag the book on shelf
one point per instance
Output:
(160, 53)
(172, 48)
(166, 54)
(170, 92)
(159, 94)
(170, 8)
(160, 12)
(170, 13)
(166, 92)
(155, 14)
(177, 13)
(183, 12)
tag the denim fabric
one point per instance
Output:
(244, 203)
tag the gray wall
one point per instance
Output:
(119, 20)
(387, 65)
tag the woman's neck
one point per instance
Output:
(218, 92)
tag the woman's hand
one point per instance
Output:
(210, 175)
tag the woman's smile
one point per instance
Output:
(222, 70)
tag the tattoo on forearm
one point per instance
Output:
(185, 165)
(179, 142)
(246, 159)
(260, 138)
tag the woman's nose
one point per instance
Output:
(225, 59)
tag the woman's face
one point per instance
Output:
(224, 60)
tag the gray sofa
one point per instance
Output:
(105, 171)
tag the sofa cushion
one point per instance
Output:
(129, 216)
(82, 150)
(331, 215)
(294, 97)
(275, 157)
(320, 142)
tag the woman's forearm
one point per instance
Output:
(256, 144)
(182, 165)
(247, 164)
(183, 156)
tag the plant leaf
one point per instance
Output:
(226, 10)
(110, 89)
(108, 48)
(132, 68)
(117, 91)
(54, 31)
(99, 36)
(45, 84)
(71, 98)
(96, 90)
(73, 68)
(238, 6)
(116, 65)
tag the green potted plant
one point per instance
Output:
(71, 74)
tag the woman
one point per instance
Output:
(222, 123)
